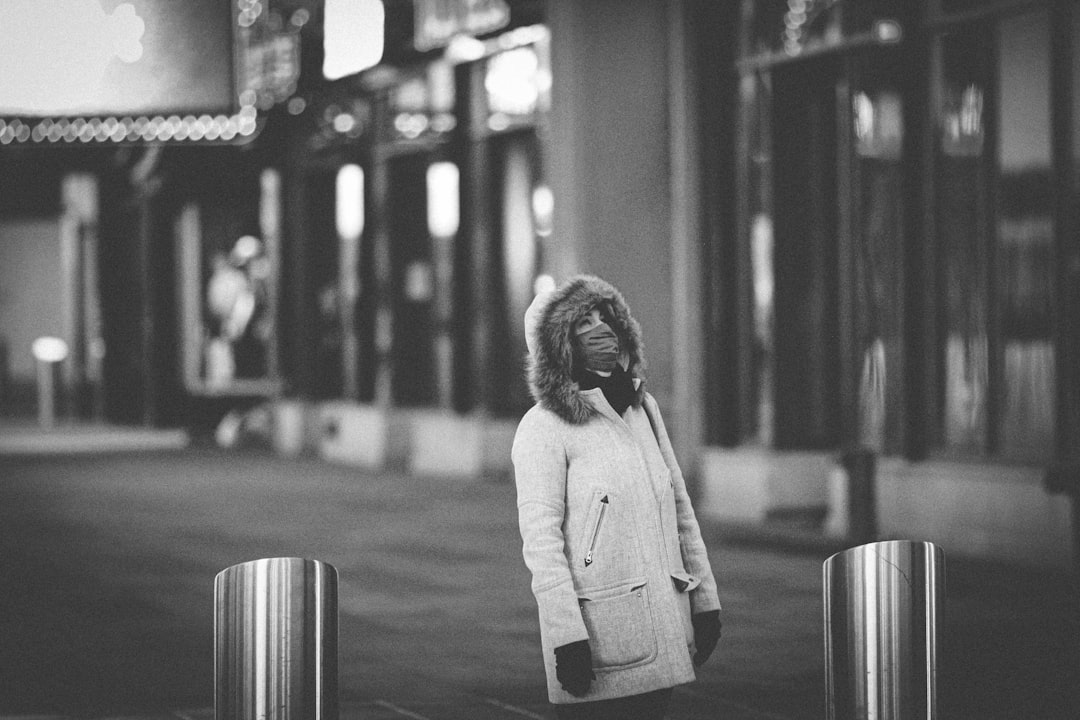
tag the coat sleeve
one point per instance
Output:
(695, 556)
(540, 475)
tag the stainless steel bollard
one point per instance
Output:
(275, 641)
(883, 608)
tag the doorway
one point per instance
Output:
(806, 255)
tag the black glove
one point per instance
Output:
(573, 667)
(706, 634)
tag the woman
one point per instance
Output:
(627, 600)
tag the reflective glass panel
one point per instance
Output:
(1025, 238)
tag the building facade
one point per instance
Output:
(848, 229)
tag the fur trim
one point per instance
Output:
(550, 363)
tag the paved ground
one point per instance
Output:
(107, 565)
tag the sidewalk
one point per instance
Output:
(106, 597)
(25, 437)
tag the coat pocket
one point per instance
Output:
(620, 626)
(684, 584)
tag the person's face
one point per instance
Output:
(588, 322)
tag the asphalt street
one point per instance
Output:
(107, 565)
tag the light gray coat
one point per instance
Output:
(608, 530)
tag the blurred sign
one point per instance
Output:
(104, 57)
(436, 22)
(123, 71)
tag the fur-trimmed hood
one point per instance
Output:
(549, 324)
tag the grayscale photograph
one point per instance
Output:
(549, 359)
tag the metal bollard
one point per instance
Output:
(275, 641)
(48, 353)
(883, 608)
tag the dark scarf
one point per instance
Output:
(618, 388)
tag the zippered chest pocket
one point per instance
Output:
(599, 509)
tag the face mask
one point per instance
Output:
(599, 348)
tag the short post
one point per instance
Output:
(883, 609)
(275, 641)
(48, 353)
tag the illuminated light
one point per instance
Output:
(38, 133)
(7, 136)
(523, 36)
(67, 71)
(443, 199)
(465, 48)
(70, 133)
(196, 132)
(221, 120)
(246, 19)
(247, 127)
(296, 105)
(353, 33)
(23, 133)
(49, 349)
(888, 31)
(411, 125)
(53, 133)
(498, 122)
(349, 202)
(248, 112)
(300, 18)
(443, 123)
(797, 5)
(182, 132)
(344, 122)
(543, 206)
(864, 115)
(213, 132)
(511, 82)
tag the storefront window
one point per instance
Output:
(1025, 237)
(757, 124)
(995, 240)
(878, 231)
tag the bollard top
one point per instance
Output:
(49, 349)
(281, 562)
(886, 548)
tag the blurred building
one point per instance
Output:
(848, 229)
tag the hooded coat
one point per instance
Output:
(609, 535)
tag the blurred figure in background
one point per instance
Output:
(627, 600)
